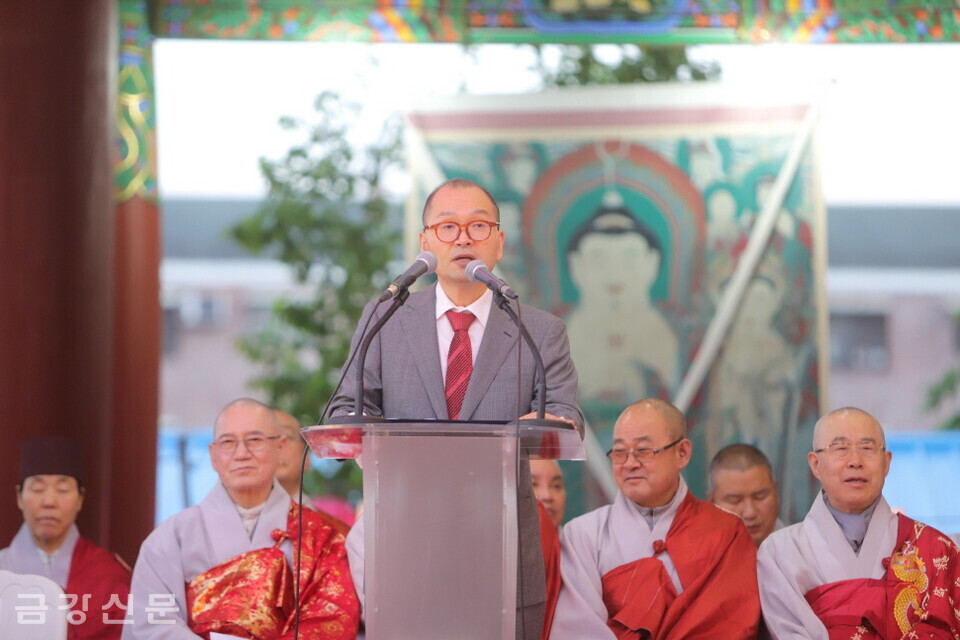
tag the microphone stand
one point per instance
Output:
(504, 304)
(397, 302)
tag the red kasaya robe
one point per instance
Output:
(715, 560)
(918, 598)
(98, 587)
(550, 543)
(252, 595)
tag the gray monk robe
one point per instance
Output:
(903, 581)
(212, 533)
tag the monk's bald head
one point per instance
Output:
(742, 481)
(649, 450)
(671, 417)
(849, 458)
(290, 427)
(247, 410)
(827, 424)
(293, 463)
(739, 457)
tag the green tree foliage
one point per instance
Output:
(582, 65)
(327, 217)
(943, 391)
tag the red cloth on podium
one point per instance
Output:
(915, 599)
(716, 564)
(550, 543)
(102, 586)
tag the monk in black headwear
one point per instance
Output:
(50, 495)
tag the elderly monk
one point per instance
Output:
(50, 495)
(658, 563)
(228, 564)
(741, 481)
(294, 462)
(854, 568)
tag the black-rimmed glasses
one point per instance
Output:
(619, 456)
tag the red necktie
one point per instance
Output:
(459, 362)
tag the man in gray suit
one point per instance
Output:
(412, 369)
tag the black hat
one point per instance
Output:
(51, 456)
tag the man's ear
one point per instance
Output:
(814, 461)
(684, 450)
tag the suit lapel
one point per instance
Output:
(420, 329)
(499, 337)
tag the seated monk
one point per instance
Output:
(229, 564)
(741, 481)
(294, 462)
(658, 563)
(50, 495)
(854, 568)
(547, 479)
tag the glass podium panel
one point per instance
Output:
(440, 510)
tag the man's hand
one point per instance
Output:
(548, 416)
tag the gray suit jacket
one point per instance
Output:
(402, 379)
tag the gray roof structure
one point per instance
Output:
(858, 236)
(893, 237)
(198, 228)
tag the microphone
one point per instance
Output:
(478, 272)
(425, 263)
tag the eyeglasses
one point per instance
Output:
(477, 230)
(842, 449)
(619, 456)
(252, 443)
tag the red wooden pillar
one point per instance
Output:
(59, 329)
(137, 314)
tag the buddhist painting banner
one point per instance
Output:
(625, 211)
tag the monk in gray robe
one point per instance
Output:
(852, 567)
(228, 565)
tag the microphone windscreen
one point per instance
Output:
(471, 270)
(429, 259)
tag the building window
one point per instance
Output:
(171, 330)
(858, 342)
(202, 310)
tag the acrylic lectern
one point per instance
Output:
(440, 511)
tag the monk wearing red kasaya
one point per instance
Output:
(658, 563)
(50, 495)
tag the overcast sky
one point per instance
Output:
(890, 129)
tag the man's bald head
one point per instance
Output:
(849, 458)
(741, 481)
(289, 426)
(843, 414)
(265, 415)
(674, 421)
(739, 457)
(293, 464)
(656, 430)
(246, 450)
